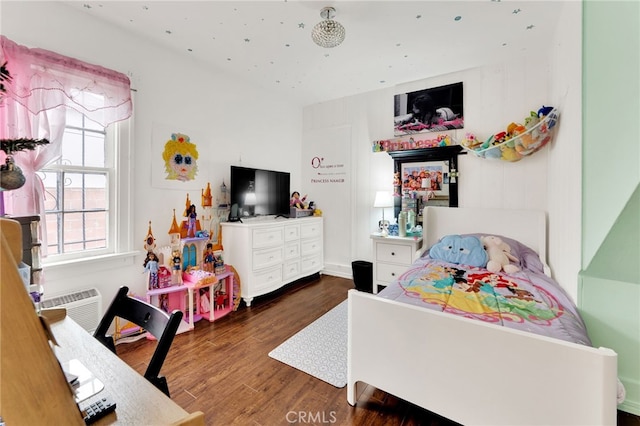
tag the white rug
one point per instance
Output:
(320, 349)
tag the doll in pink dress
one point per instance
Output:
(296, 201)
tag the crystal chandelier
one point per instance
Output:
(328, 33)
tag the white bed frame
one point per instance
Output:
(473, 372)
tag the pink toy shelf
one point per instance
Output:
(210, 299)
(208, 296)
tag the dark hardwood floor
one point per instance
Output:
(223, 368)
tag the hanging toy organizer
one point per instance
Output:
(518, 141)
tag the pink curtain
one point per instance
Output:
(43, 85)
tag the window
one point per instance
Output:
(83, 187)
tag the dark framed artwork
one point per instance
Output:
(429, 110)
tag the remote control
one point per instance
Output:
(92, 412)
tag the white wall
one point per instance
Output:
(172, 91)
(564, 171)
(207, 106)
(494, 96)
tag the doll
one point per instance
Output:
(191, 220)
(204, 301)
(164, 302)
(296, 201)
(151, 265)
(208, 258)
(176, 263)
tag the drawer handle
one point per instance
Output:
(393, 274)
(393, 253)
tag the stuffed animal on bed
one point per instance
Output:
(466, 250)
(500, 256)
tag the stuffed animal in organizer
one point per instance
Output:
(500, 256)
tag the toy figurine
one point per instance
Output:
(164, 302)
(204, 301)
(221, 297)
(397, 184)
(176, 270)
(208, 258)
(296, 201)
(191, 220)
(151, 265)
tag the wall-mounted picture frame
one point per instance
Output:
(429, 110)
(426, 176)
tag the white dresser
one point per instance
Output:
(269, 253)
(391, 257)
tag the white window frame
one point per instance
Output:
(120, 225)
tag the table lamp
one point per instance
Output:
(426, 186)
(383, 200)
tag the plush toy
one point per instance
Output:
(460, 250)
(509, 154)
(499, 254)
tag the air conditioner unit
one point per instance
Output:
(84, 307)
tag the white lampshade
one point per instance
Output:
(250, 199)
(383, 199)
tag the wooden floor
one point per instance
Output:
(223, 369)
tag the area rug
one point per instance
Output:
(320, 349)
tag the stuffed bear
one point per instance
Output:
(499, 255)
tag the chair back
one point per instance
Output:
(154, 320)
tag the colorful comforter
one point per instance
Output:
(527, 300)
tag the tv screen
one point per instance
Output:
(258, 192)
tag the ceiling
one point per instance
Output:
(268, 43)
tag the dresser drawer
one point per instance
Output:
(386, 272)
(312, 263)
(395, 253)
(309, 230)
(291, 232)
(291, 269)
(292, 250)
(267, 237)
(267, 257)
(267, 279)
(310, 246)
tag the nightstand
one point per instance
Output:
(391, 257)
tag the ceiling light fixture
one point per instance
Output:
(328, 33)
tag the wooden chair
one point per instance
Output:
(154, 320)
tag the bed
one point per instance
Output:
(466, 367)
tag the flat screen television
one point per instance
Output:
(258, 192)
